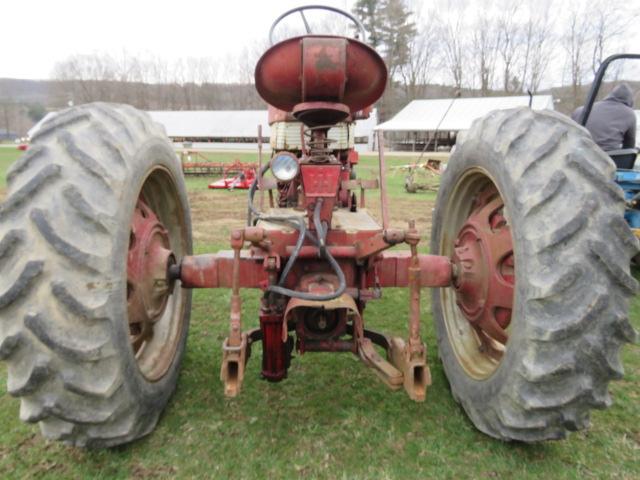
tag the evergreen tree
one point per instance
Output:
(390, 29)
(397, 31)
(368, 12)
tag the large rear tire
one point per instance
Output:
(66, 234)
(570, 299)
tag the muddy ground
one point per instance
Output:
(216, 213)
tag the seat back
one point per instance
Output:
(624, 158)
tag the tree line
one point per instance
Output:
(432, 49)
(494, 46)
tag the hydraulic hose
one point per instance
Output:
(298, 223)
(324, 252)
(295, 222)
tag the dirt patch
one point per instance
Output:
(401, 210)
(216, 214)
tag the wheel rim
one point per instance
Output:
(155, 309)
(477, 310)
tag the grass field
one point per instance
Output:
(331, 418)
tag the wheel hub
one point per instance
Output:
(148, 284)
(484, 265)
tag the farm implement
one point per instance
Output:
(420, 175)
(529, 293)
(241, 181)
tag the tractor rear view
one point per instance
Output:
(530, 294)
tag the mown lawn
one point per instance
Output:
(331, 418)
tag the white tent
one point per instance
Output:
(637, 128)
(229, 129)
(212, 123)
(446, 114)
(230, 123)
(239, 128)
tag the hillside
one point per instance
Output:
(22, 102)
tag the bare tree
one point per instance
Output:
(544, 42)
(13, 117)
(423, 57)
(485, 45)
(85, 73)
(452, 34)
(577, 33)
(610, 20)
(509, 42)
(539, 41)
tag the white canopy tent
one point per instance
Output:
(434, 124)
(447, 114)
(212, 124)
(227, 129)
(239, 128)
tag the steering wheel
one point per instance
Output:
(353, 19)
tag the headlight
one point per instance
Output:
(284, 166)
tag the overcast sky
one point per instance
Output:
(35, 34)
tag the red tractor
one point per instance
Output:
(529, 261)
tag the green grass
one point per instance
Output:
(367, 169)
(330, 419)
(7, 156)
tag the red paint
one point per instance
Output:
(277, 115)
(321, 68)
(391, 268)
(483, 257)
(148, 258)
(274, 349)
(315, 114)
(242, 181)
(320, 180)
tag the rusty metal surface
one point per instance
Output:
(314, 114)
(484, 261)
(279, 73)
(148, 285)
(377, 243)
(416, 375)
(324, 72)
(321, 80)
(320, 326)
(275, 359)
(235, 314)
(320, 180)
(391, 268)
(234, 359)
